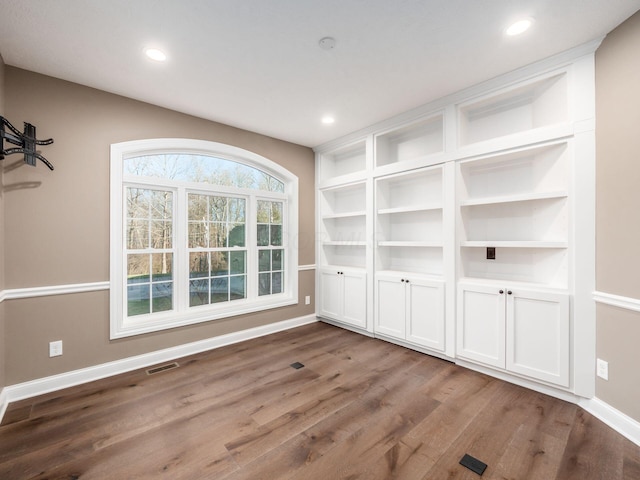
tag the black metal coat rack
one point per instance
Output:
(26, 142)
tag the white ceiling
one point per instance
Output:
(256, 64)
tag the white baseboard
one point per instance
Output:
(40, 386)
(4, 401)
(621, 423)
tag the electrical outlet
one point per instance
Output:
(307, 300)
(602, 369)
(55, 348)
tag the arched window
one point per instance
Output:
(199, 231)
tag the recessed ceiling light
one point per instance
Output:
(155, 54)
(519, 27)
(328, 120)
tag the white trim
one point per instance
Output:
(31, 292)
(621, 423)
(4, 402)
(52, 383)
(122, 325)
(627, 303)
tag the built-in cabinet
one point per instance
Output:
(464, 229)
(514, 329)
(411, 308)
(344, 296)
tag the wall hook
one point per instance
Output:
(26, 142)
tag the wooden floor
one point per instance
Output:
(359, 409)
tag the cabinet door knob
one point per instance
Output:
(501, 292)
(407, 281)
(402, 280)
(509, 292)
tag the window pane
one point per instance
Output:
(198, 292)
(276, 213)
(236, 235)
(162, 296)
(218, 209)
(197, 207)
(264, 284)
(138, 300)
(138, 269)
(263, 211)
(138, 200)
(197, 235)
(137, 234)
(217, 235)
(263, 235)
(198, 264)
(162, 267)
(161, 204)
(238, 262)
(202, 168)
(276, 259)
(238, 287)
(276, 235)
(220, 289)
(219, 264)
(161, 234)
(237, 210)
(264, 260)
(276, 282)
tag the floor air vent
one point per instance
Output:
(162, 368)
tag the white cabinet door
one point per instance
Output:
(390, 306)
(538, 335)
(355, 298)
(331, 294)
(481, 324)
(425, 313)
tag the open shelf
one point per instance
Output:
(412, 142)
(335, 254)
(343, 201)
(540, 172)
(344, 161)
(538, 104)
(413, 259)
(409, 191)
(417, 227)
(540, 266)
(407, 243)
(537, 222)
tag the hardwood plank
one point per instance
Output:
(360, 408)
(593, 450)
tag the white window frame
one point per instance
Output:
(123, 326)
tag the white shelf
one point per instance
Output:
(359, 213)
(407, 209)
(514, 244)
(525, 197)
(410, 244)
(344, 243)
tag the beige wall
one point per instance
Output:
(618, 212)
(2, 334)
(57, 223)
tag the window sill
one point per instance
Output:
(141, 325)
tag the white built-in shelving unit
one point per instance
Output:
(465, 228)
